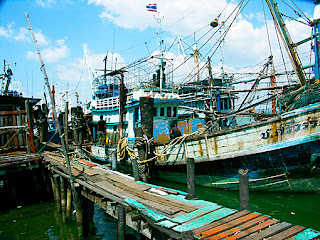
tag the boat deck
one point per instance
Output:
(168, 210)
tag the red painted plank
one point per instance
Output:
(288, 233)
(228, 225)
(260, 226)
(240, 228)
(220, 222)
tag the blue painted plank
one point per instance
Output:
(195, 214)
(153, 215)
(202, 221)
(166, 224)
(306, 234)
(201, 203)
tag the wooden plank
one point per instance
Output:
(220, 222)
(202, 221)
(11, 112)
(238, 229)
(166, 224)
(306, 234)
(228, 225)
(240, 232)
(83, 168)
(185, 206)
(270, 231)
(128, 195)
(288, 233)
(14, 123)
(195, 214)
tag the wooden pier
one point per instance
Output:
(161, 213)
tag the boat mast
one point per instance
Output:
(53, 107)
(290, 46)
(315, 37)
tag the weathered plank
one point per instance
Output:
(220, 222)
(240, 233)
(272, 230)
(306, 234)
(202, 221)
(127, 194)
(240, 229)
(228, 225)
(287, 233)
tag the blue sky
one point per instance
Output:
(123, 28)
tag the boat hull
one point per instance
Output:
(281, 154)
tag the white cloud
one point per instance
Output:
(133, 14)
(52, 54)
(8, 31)
(45, 3)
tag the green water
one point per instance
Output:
(297, 208)
(41, 220)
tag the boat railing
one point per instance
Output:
(107, 103)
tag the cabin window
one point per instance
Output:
(174, 112)
(154, 112)
(162, 111)
(168, 111)
(225, 103)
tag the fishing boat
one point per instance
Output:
(280, 148)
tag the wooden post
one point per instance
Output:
(244, 188)
(30, 143)
(63, 198)
(74, 125)
(191, 182)
(66, 113)
(69, 204)
(80, 127)
(57, 192)
(79, 213)
(19, 122)
(121, 105)
(146, 109)
(2, 140)
(121, 222)
(113, 160)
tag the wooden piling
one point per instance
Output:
(121, 222)
(65, 123)
(191, 182)
(30, 143)
(63, 199)
(147, 107)
(79, 213)
(244, 188)
(57, 192)
(69, 204)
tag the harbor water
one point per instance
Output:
(41, 220)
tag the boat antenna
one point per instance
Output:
(43, 69)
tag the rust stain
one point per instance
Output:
(200, 148)
(215, 145)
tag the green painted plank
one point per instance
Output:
(202, 221)
(201, 203)
(195, 214)
(153, 215)
(306, 234)
(166, 224)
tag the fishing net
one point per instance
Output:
(300, 98)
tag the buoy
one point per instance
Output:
(214, 23)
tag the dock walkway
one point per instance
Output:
(151, 208)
